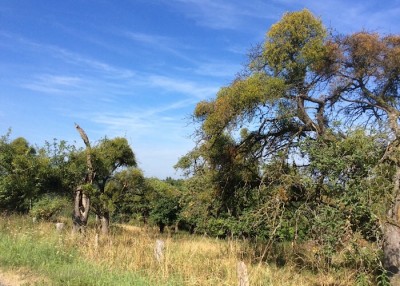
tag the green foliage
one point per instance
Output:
(363, 280)
(134, 199)
(274, 164)
(108, 156)
(350, 169)
(238, 102)
(48, 207)
(22, 174)
(164, 203)
(111, 154)
(383, 279)
(67, 167)
(295, 44)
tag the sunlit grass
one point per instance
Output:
(127, 258)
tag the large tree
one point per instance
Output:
(368, 84)
(285, 109)
(278, 101)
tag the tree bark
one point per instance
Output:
(161, 226)
(391, 232)
(82, 201)
(391, 249)
(391, 229)
(81, 211)
(90, 173)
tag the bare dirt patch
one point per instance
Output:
(17, 277)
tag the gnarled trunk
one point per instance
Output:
(81, 211)
(82, 201)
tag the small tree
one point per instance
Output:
(108, 156)
(22, 174)
(164, 203)
(102, 162)
(134, 199)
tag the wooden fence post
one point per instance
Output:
(159, 250)
(243, 276)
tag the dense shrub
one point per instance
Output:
(48, 207)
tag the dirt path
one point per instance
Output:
(18, 277)
(9, 279)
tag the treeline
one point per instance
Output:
(301, 148)
(44, 180)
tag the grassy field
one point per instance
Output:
(127, 258)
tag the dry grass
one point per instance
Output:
(195, 260)
(189, 260)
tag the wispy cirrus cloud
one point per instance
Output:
(183, 86)
(54, 83)
(351, 16)
(342, 15)
(218, 69)
(155, 133)
(148, 38)
(360, 16)
(224, 14)
(161, 43)
(66, 56)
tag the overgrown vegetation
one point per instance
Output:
(126, 257)
(298, 157)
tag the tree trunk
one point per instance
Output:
(82, 201)
(81, 211)
(105, 223)
(161, 226)
(391, 229)
(391, 248)
(391, 233)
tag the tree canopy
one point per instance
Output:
(307, 132)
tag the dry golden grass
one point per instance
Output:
(189, 260)
(194, 260)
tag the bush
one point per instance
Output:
(48, 207)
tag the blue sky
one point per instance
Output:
(137, 68)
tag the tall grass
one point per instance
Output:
(127, 258)
(53, 257)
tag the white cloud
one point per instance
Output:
(161, 43)
(85, 63)
(224, 14)
(344, 16)
(183, 87)
(218, 69)
(148, 39)
(158, 135)
(352, 16)
(54, 83)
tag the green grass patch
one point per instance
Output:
(23, 247)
